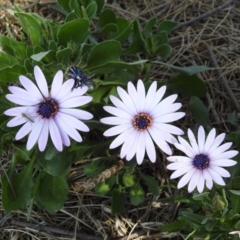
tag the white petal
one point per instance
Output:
(18, 92)
(221, 171)
(194, 181)
(75, 102)
(223, 163)
(23, 131)
(169, 128)
(141, 94)
(157, 98)
(21, 100)
(191, 152)
(41, 81)
(19, 111)
(164, 104)
(133, 95)
(150, 149)
(150, 96)
(220, 149)
(76, 92)
(217, 141)
(57, 84)
(74, 122)
(127, 144)
(33, 136)
(77, 113)
(193, 141)
(201, 139)
(179, 172)
(127, 101)
(208, 178)
(171, 117)
(177, 165)
(43, 137)
(164, 135)
(115, 120)
(200, 185)
(186, 178)
(64, 126)
(120, 139)
(16, 121)
(119, 104)
(210, 139)
(184, 149)
(117, 130)
(55, 135)
(179, 159)
(140, 148)
(227, 155)
(117, 112)
(216, 177)
(133, 149)
(31, 87)
(65, 90)
(160, 142)
(64, 136)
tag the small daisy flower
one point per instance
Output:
(141, 119)
(45, 112)
(204, 160)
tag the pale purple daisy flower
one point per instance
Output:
(43, 111)
(204, 161)
(141, 119)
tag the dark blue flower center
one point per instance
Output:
(201, 161)
(48, 108)
(142, 121)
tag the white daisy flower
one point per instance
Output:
(204, 160)
(141, 119)
(45, 111)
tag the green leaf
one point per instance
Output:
(98, 165)
(64, 55)
(118, 199)
(39, 56)
(135, 47)
(167, 26)
(13, 47)
(137, 31)
(108, 50)
(192, 217)
(191, 70)
(129, 179)
(236, 192)
(58, 165)
(104, 187)
(199, 111)
(235, 200)
(31, 27)
(149, 26)
(178, 225)
(67, 32)
(136, 194)
(151, 183)
(91, 10)
(11, 74)
(64, 4)
(109, 29)
(100, 4)
(106, 17)
(164, 50)
(187, 85)
(6, 60)
(17, 187)
(52, 193)
(123, 30)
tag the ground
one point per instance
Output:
(84, 211)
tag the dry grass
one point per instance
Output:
(84, 211)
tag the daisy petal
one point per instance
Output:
(55, 135)
(220, 150)
(179, 159)
(186, 178)
(141, 148)
(41, 81)
(216, 177)
(150, 149)
(57, 84)
(77, 113)
(181, 171)
(128, 143)
(157, 98)
(217, 141)
(133, 95)
(43, 137)
(221, 171)
(223, 163)
(117, 130)
(133, 149)
(193, 141)
(141, 94)
(115, 120)
(227, 155)
(119, 104)
(200, 185)
(171, 117)
(150, 95)
(16, 121)
(120, 139)
(23, 131)
(208, 178)
(201, 138)
(194, 181)
(209, 140)
(75, 102)
(117, 112)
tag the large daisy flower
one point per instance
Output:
(204, 161)
(43, 111)
(141, 119)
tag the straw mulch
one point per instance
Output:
(89, 214)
